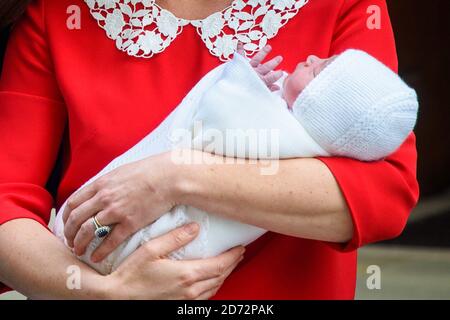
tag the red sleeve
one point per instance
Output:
(32, 120)
(380, 195)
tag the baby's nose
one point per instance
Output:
(312, 59)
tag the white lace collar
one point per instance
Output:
(142, 28)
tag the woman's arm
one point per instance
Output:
(35, 263)
(301, 199)
(38, 265)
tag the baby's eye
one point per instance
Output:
(318, 69)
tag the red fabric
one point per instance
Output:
(55, 78)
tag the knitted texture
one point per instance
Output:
(357, 108)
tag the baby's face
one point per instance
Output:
(304, 73)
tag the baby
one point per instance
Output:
(350, 105)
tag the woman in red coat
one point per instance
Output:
(79, 83)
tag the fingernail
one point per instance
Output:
(96, 258)
(268, 48)
(191, 228)
(80, 253)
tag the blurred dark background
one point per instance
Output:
(422, 32)
(423, 41)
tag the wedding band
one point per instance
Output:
(100, 230)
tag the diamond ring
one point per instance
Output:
(100, 230)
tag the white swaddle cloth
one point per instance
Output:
(230, 98)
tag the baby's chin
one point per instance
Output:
(292, 88)
(291, 97)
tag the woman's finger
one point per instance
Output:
(105, 218)
(207, 288)
(84, 236)
(193, 274)
(260, 56)
(203, 283)
(77, 199)
(115, 239)
(167, 243)
(219, 265)
(269, 66)
(199, 289)
(208, 294)
(80, 215)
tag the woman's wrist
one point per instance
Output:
(108, 289)
(185, 175)
(95, 286)
(172, 177)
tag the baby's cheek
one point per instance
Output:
(292, 90)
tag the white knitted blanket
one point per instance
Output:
(229, 101)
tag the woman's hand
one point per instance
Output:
(42, 273)
(128, 198)
(146, 274)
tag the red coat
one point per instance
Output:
(56, 79)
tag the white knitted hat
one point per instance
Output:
(357, 107)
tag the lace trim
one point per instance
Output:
(141, 28)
